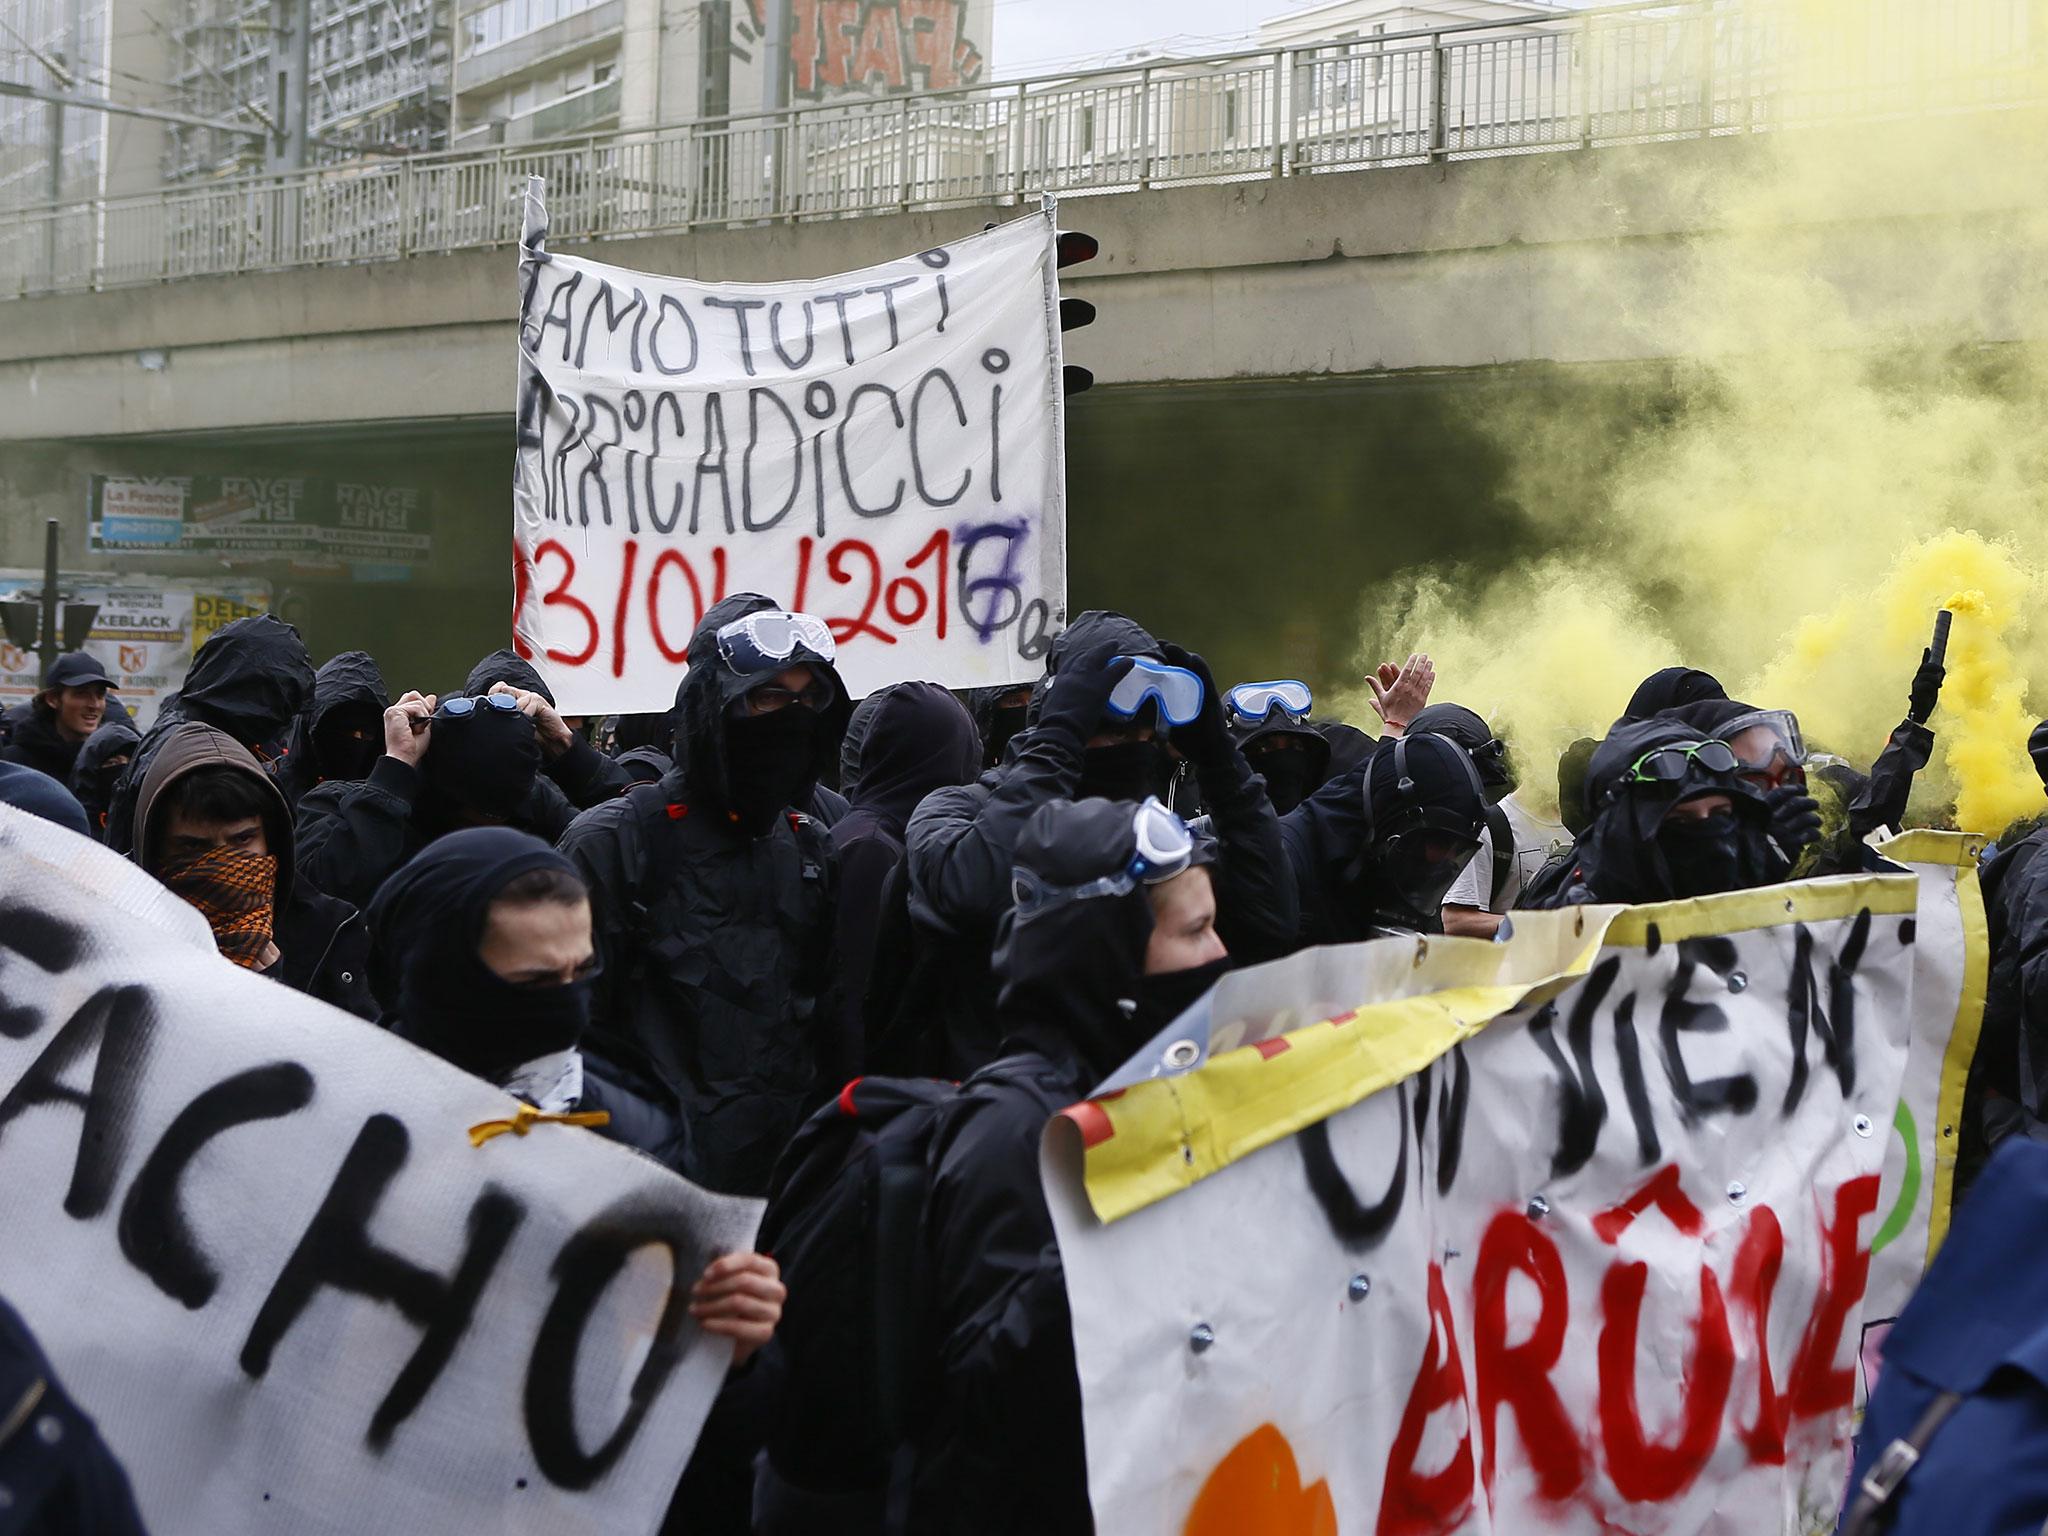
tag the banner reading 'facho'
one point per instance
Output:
(881, 448)
(1567, 1234)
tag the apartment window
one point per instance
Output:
(1087, 130)
(1230, 117)
(600, 74)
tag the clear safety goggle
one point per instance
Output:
(1670, 763)
(1164, 849)
(1255, 703)
(1766, 740)
(1177, 690)
(469, 703)
(765, 641)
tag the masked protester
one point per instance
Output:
(465, 761)
(62, 717)
(341, 733)
(714, 893)
(1376, 851)
(1113, 931)
(1882, 800)
(2008, 1086)
(1770, 756)
(210, 825)
(1673, 818)
(1513, 845)
(37, 793)
(569, 763)
(999, 714)
(902, 742)
(100, 762)
(1110, 692)
(251, 680)
(1270, 724)
(1669, 689)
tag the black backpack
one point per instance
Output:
(844, 1221)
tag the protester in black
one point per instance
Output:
(960, 840)
(465, 761)
(1279, 742)
(1668, 689)
(62, 717)
(1112, 935)
(1374, 851)
(902, 742)
(98, 768)
(2008, 1086)
(999, 712)
(713, 895)
(1673, 817)
(251, 679)
(341, 734)
(210, 825)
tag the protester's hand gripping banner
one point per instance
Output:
(1568, 1234)
(259, 1247)
(881, 448)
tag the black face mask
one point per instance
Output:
(1704, 856)
(1130, 770)
(481, 764)
(487, 1025)
(1410, 889)
(338, 752)
(1166, 996)
(771, 761)
(1288, 775)
(1002, 725)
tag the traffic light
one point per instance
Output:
(1073, 247)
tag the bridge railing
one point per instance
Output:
(1616, 74)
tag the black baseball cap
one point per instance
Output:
(75, 669)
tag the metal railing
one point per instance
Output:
(1618, 74)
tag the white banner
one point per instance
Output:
(881, 448)
(1596, 1265)
(257, 1243)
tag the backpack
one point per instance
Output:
(1502, 831)
(845, 1209)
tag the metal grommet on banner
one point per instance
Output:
(1737, 1191)
(1200, 1337)
(1181, 1055)
(1738, 981)
(1359, 1288)
(1539, 1206)
(1421, 952)
(1863, 1125)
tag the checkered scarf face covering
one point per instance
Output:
(233, 890)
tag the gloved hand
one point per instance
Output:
(1080, 691)
(1207, 739)
(1926, 690)
(1795, 818)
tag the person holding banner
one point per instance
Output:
(1112, 934)
(713, 894)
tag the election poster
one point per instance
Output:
(264, 1251)
(145, 634)
(880, 448)
(1572, 1233)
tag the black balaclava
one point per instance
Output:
(1127, 770)
(1417, 789)
(771, 763)
(996, 720)
(348, 740)
(1072, 971)
(1668, 689)
(1636, 851)
(92, 773)
(2037, 751)
(426, 924)
(1292, 769)
(1469, 730)
(483, 762)
(252, 679)
(507, 666)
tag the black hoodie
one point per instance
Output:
(715, 942)
(349, 679)
(251, 679)
(903, 742)
(91, 779)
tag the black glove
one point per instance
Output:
(1080, 691)
(1926, 688)
(1207, 738)
(1795, 818)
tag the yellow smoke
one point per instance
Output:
(1854, 441)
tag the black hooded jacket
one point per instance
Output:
(251, 679)
(959, 863)
(1671, 688)
(92, 780)
(39, 745)
(1001, 1452)
(353, 836)
(714, 942)
(323, 945)
(902, 742)
(585, 776)
(351, 678)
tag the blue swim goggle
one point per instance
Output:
(1162, 848)
(1255, 703)
(469, 703)
(1177, 691)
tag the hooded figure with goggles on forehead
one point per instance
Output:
(1673, 817)
(712, 894)
(1097, 730)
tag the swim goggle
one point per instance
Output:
(1177, 691)
(1255, 703)
(1671, 762)
(1162, 848)
(765, 641)
(469, 703)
